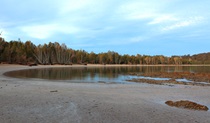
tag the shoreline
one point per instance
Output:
(45, 101)
(78, 65)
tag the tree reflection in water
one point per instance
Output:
(95, 74)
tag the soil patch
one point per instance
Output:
(187, 104)
(163, 82)
(194, 77)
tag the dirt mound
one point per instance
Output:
(187, 104)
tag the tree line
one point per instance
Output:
(17, 52)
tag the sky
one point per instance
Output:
(146, 27)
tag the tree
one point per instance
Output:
(110, 59)
(92, 58)
(162, 59)
(102, 58)
(54, 53)
(116, 58)
(38, 54)
(29, 50)
(148, 60)
(177, 60)
(139, 59)
(3, 45)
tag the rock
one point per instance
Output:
(170, 103)
(187, 104)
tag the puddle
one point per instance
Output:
(131, 77)
(205, 83)
(189, 81)
(153, 78)
(183, 80)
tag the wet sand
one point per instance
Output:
(187, 78)
(29, 100)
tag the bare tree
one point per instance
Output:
(38, 54)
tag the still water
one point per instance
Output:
(99, 74)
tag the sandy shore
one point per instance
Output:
(42, 101)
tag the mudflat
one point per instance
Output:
(44, 101)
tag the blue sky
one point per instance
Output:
(150, 27)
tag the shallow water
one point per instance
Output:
(153, 78)
(183, 80)
(101, 74)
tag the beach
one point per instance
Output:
(44, 101)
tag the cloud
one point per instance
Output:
(136, 39)
(135, 10)
(4, 24)
(138, 10)
(4, 33)
(163, 19)
(45, 31)
(184, 23)
(67, 6)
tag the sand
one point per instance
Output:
(43, 101)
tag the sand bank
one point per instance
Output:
(28, 100)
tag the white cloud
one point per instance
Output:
(4, 23)
(177, 25)
(184, 23)
(39, 31)
(136, 39)
(163, 19)
(136, 10)
(67, 6)
(87, 8)
(4, 33)
(46, 31)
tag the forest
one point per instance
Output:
(25, 53)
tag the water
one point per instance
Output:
(153, 78)
(183, 80)
(101, 74)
